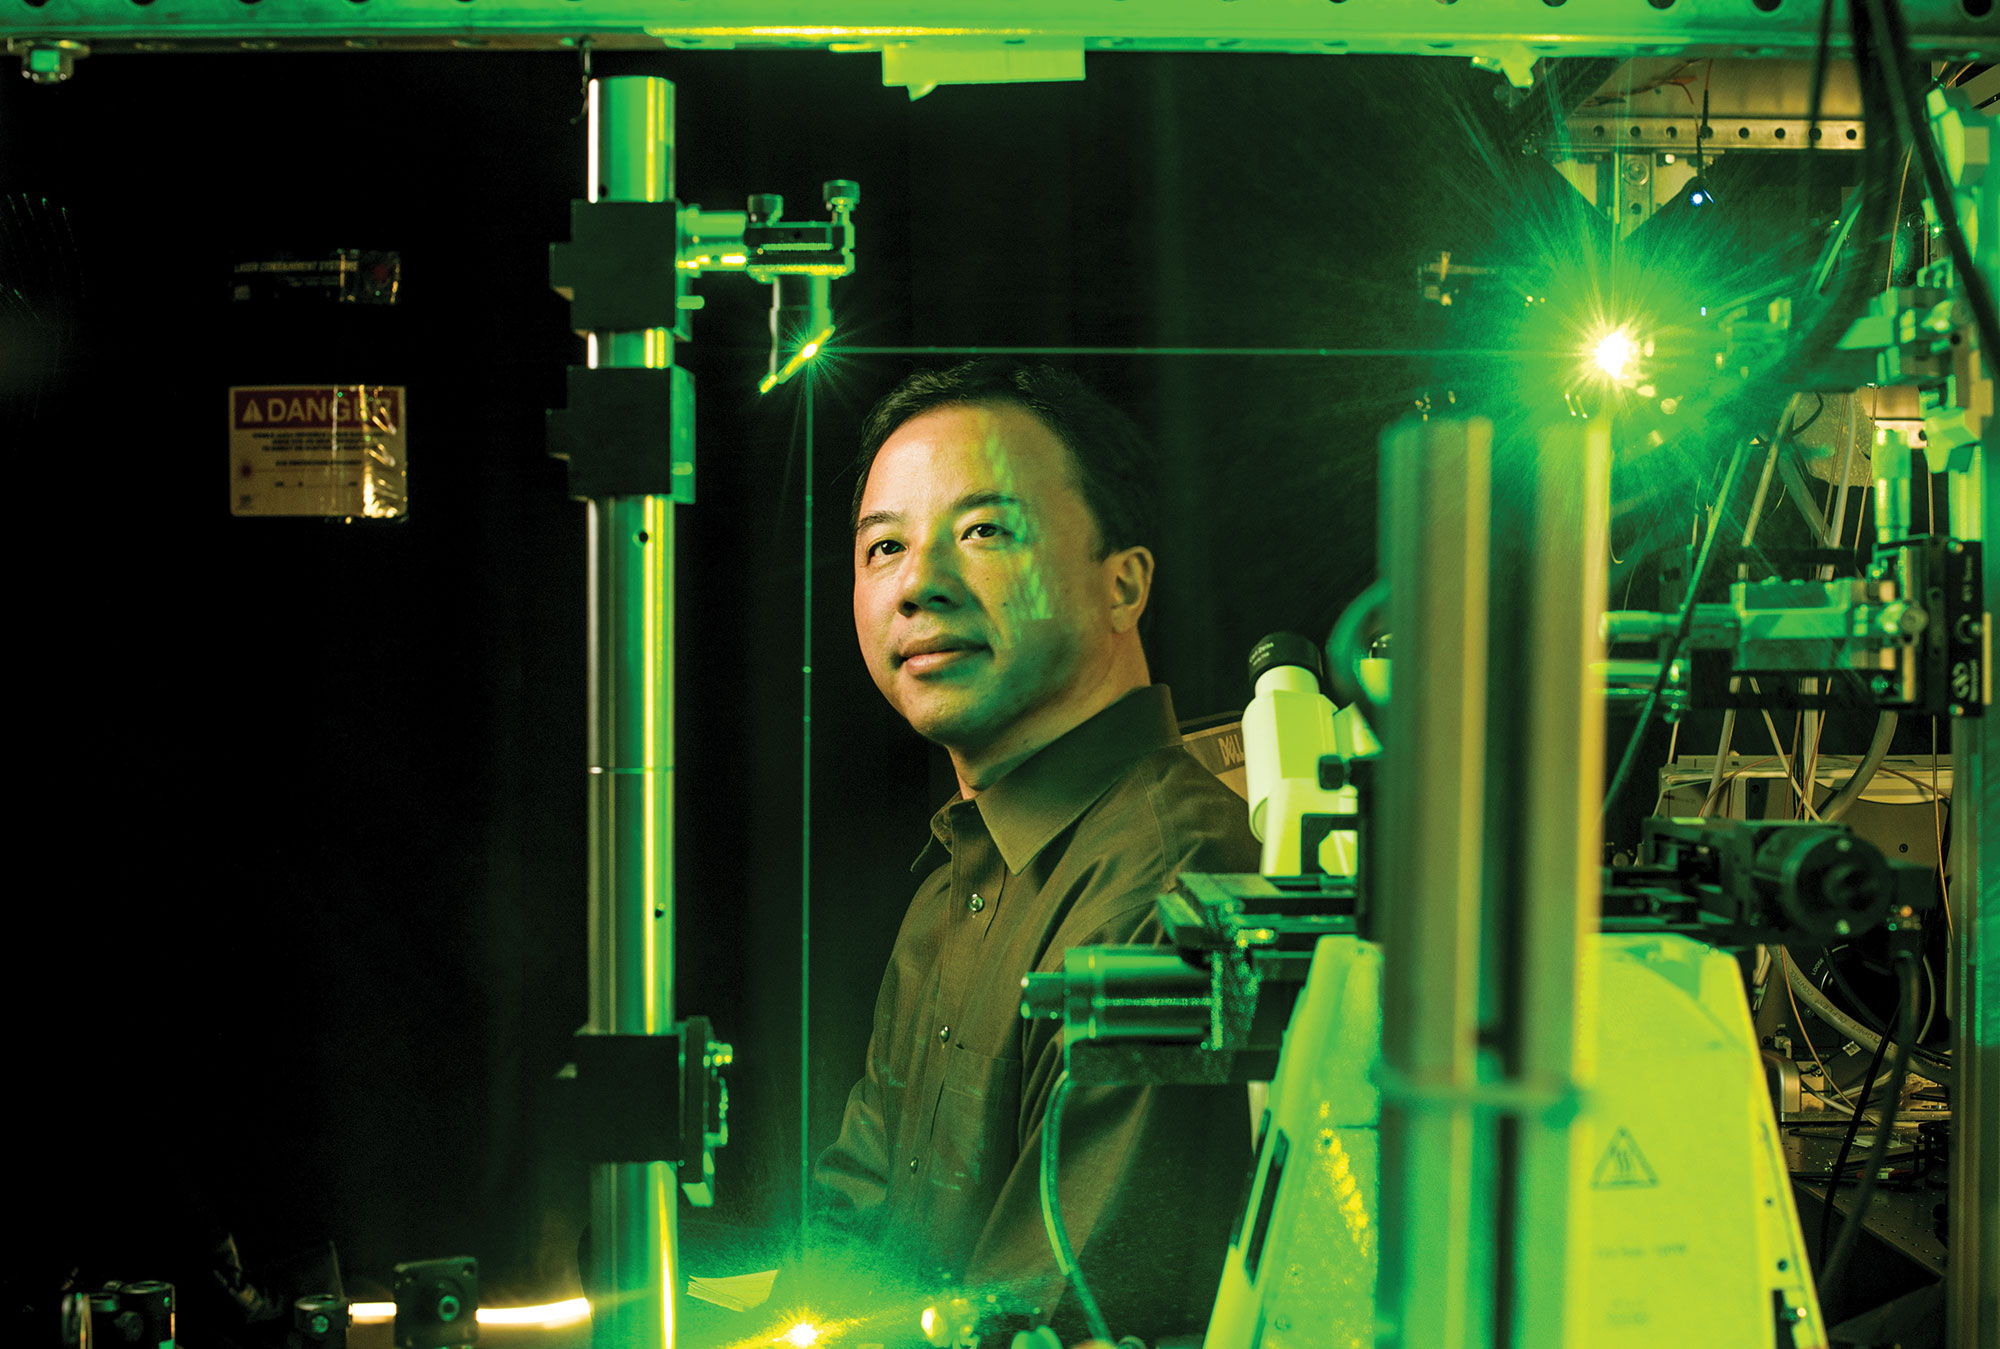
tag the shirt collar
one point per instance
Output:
(1046, 794)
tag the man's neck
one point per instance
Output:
(978, 770)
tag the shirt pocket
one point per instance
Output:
(972, 1141)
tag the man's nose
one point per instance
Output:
(931, 580)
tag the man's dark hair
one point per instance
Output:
(1114, 467)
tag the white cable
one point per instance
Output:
(1847, 1025)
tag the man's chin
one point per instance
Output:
(942, 722)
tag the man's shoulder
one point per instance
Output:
(1169, 804)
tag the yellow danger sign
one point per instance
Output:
(318, 450)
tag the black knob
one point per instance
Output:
(1283, 648)
(322, 1320)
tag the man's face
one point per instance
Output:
(978, 597)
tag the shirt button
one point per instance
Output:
(944, 1034)
(913, 1163)
(978, 903)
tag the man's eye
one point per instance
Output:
(881, 545)
(991, 530)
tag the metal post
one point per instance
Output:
(1436, 507)
(631, 599)
(1551, 772)
(1972, 1304)
(1492, 780)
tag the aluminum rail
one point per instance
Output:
(634, 1258)
(1511, 32)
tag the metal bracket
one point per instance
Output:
(618, 270)
(649, 1098)
(628, 431)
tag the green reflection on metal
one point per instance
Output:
(632, 757)
(986, 39)
(805, 828)
(1488, 353)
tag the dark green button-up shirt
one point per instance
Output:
(936, 1166)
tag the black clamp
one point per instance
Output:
(628, 431)
(649, 1098)
(620, 269)
(437, 1302)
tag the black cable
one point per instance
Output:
(1818, 408)
(1904, 1155)
(1913, 120)
(1052, 1211)
(1867, 1014)
(1681, 629)
(1850, 1231)
(1861, 1009)
(1347, 646)
(1847, 1143)
(1821, 319)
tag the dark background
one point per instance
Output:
(309, 798)
(300, 921)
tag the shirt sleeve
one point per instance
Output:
(851, 1178)
(838, 1272)
(1152, 1179)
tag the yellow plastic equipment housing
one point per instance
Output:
(1693, 1237)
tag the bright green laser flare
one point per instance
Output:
(1613, 354)
(796, 363)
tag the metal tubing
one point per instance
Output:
(1553, 773)
(1972, 1303)
(631, 599)
(1435, 519)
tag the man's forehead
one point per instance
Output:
(962, 449)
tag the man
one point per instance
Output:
(1001, 519)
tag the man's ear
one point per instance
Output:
(1128, 576)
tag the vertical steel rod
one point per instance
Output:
(1972, 1300)
(1556, 775)
(1435, 519)
(631, 602)
(1972, 1305)
(805, 832)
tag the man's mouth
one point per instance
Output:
(923, 657)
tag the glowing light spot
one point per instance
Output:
(735, 259)
(573, 1312)
(797, 362)
(801, 1335)
(1612, 356)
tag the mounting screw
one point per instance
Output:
(50, 60)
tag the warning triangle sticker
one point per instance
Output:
(1623, 1166)
(250, 413)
